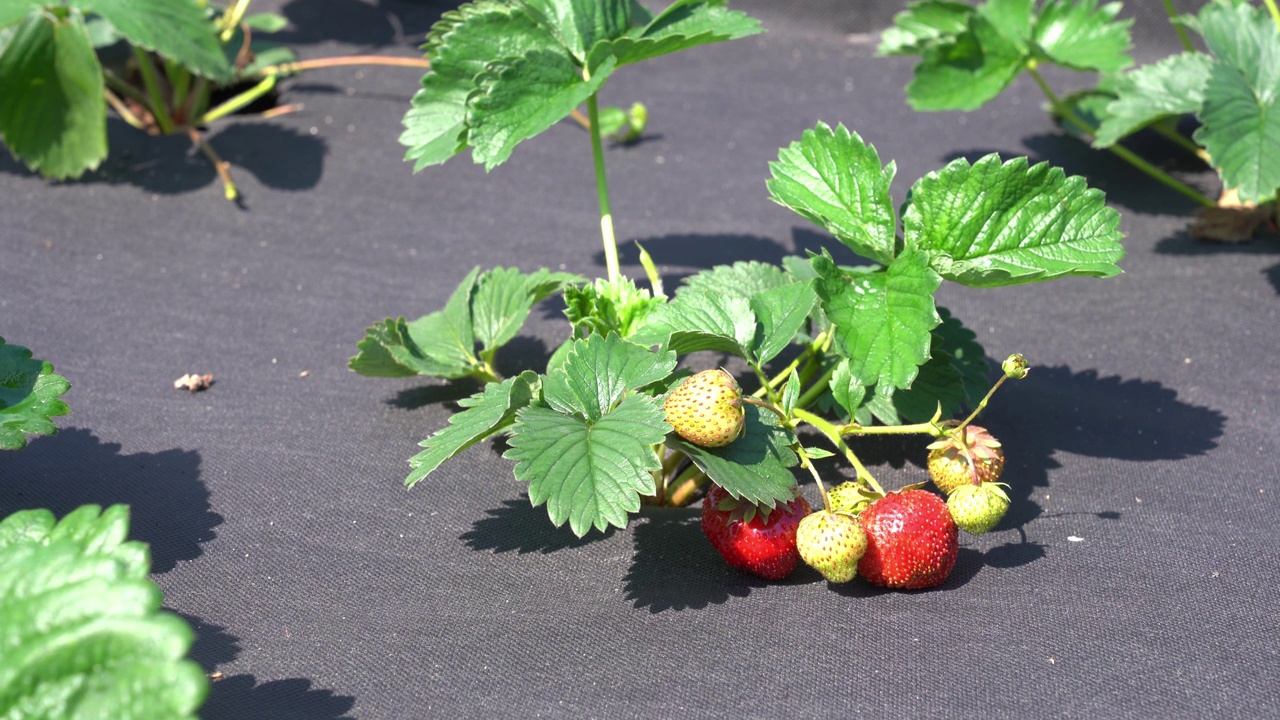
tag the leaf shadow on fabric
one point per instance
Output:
(213, 645)
(675, 568)
(277, 156)
(242, 697)
(702, 251)
(518, 526)
(169, 505)
(1123, 184)
(378, 24)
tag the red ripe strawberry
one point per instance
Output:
(912, 542)
(763, 543)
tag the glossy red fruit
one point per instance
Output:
(912, 542)
(747, 539)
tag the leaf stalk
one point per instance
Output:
(602, 191)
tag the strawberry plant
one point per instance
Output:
(81, 631)
(824, 349)
(970, 54)
(191, 65)
(29, 396)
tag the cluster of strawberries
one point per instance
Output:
(906, 539)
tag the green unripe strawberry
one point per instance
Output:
(977, 508)
(979, 459)
(706, 409)
(832, 544)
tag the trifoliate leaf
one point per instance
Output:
(1240, 123)
(180, 30)
(755, 466)
(683, 25)
(742, 279)
(461, 46)
(991, 224)
(523, 96)
(780, 314)
(53, 116)
(847, 390)
(580, 24)
(441, 344)
(29, 392)
(503, 298)
(609, 306)
(695, 321)
(599, 371)
(1080, 35)
(835, 180)
(967, 71)
(1174, 86)
(967, 356)
(882, 319)
(485, 413)
(589, 472)
(80, 627)
(924, 24)
(1013, 19)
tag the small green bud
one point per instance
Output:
(1015, 367)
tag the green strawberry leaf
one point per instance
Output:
(791, 392)
(609, 306)
(54, 116)
(441, 344)
(922, 25)
(683, 25)
(1013, 19)
(781, 313)
(503, 298)
(882, 319)
(485, 413)
(521, 97)
(29, 392)
(991, 224)
(80, 624)
(14, 10)
(266, 22)
(938, 383)
(847, 390)
(1240, 124)
(180, 30)
(599, 371)
(1174, 86)
(967, 71)
(590, 472)
(835, 180)
(461, 46)
(742, 280)
(755, 466)
(580, 24)
(694, 321)
(1082, 36)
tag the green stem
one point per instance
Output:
(122, 110)
(158, 108)
(198, 99)
(811, 353)
(924, 428)
(602, 190)
(179, 83)
(982, 405)
(1065, 111)
(1177, 26)
(1181, 141)
(240, 101)
(124, 88)
(1275, 12)
(809, 396)
(832, 434)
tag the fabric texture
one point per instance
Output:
(1135, 575)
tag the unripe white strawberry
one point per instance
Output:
(832, 544)
(706, 409)
(977, 508)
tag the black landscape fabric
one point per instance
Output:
(1136, 574)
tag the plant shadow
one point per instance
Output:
(518, 526)
(241, 697)
(704, 251)
(675, 568)
(169, 505)
(278, 157)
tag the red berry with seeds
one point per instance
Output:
(757, 540)
(912, 542)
